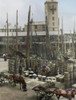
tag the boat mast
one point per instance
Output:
(7, 35)
(16, 30)
(16, 61)
(58, 38)
(31, 34)
(47, 39)
(28, 31)
(62, 35)
(47, 33)
(28, 39)
(74, 44)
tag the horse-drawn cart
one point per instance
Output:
(47, 93)
(43, 93)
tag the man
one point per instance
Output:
(46, 70)
(5, 58)
(36, 69)
(20, 69)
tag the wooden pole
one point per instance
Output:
(58, 39)
(7, 35)
(28, 39)
(74, 44)
(28, 31)
(13, 40)
(16, 30)
(16, 62)
(31, 34)
(62, 35)
(62, 38)
(47, 33)
(47, 40)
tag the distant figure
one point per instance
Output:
(20, 69)
(5, 57)
(36, 70)
(46, 70)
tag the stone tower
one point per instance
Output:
(51, 14)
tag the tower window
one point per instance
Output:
(53, 23)
(53, 18)
(53, 9)
(53, 29)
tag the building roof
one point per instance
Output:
(42, 33)
(10, 27)
(51, 0)
(38, 23)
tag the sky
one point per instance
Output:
(66, 8)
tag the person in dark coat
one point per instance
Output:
(5, 57)
(20, 69)
(46, 70)
(36, 70)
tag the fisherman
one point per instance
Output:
(46, 70)
(20, 69)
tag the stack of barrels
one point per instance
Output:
(74, 73)
(65, 67)
(70, 70)
(16, 66)
(67, 79)
(11, 65)
(60, 67)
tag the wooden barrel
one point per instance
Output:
(39, 77)
(43, 78)
(34, 76)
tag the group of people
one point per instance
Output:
(45, 70)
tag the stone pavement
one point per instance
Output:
(3, 65)
(8, 92)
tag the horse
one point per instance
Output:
(20, 80)
(68, 93)
(16, 79)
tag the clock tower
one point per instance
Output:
(51, 14)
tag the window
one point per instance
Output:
(52, 6)
(53, 29)
(53, 9)
(53, 23)
(53, 18)
(43, 27)
(35, 26)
